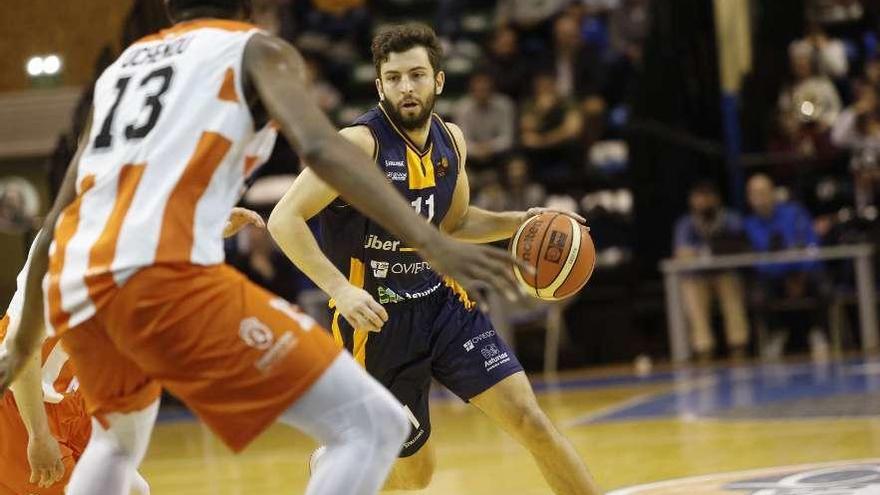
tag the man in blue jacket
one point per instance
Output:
(778, 225)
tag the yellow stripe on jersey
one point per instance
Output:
(356, 274)
(337, 332)
(420, 168)
(460, 292)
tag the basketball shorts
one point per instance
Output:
(434, 337)
(70, 425)
(235, 354)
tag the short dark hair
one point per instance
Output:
(705, 187)
(402, 37)
(176, 7)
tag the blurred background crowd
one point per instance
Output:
(616, 109)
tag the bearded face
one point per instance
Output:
(408, 87)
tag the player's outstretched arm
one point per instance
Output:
(288, 225)
(471, 224)
(44, 455)
(31, 328)
(275, 69)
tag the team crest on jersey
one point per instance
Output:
(443, 167)
(255, 334)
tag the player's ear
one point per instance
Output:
(379, 89)
(440, 79)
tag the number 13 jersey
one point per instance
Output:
(172, 140)
(384, 266)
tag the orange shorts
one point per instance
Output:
(237, 355)
(69, 423)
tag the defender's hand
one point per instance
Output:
(359, 308)
(469, 264)
(537, 211)
(241, 217)
(44, 457)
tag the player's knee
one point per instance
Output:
(395, 425)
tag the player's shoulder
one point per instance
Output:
(361, 136)
(455, 132)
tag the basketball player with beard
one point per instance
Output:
(400, 319)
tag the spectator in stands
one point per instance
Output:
(872, 73)
(327, 96)
(550, 130)
(532, 18)
(709, 227)
(629, 25)
(827, 55)
(338, 30)
(577, 66)
(857, 129)
(505, 63)
(579, 73)
(13, 209)
(779, 225)
(488, 120)
(517, 192)
(807, 107)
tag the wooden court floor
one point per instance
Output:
(630, 430)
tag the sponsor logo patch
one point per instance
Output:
(255, 334)
(374, 242)
(555, 246)
(396, 176)
(471, 344)
(380, 268)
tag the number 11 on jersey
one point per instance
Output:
(429, 202)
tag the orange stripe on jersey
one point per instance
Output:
(187, 26)
(177, 237)
(250, 162)
(99, 278)
(227, 90)
(64, 231)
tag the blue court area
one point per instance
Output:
(761, 391)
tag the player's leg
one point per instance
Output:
(731, 296)
(359, 423)
(697, 296)
(414, 472)
(399, 357)
(512, 405)
(474, 362)
(117, 446)
(241, 358)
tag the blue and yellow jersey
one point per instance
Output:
(373, 259)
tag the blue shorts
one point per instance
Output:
(434, 337)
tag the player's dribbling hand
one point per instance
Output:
(532, 212)
(239, 218)
(359, 308)
(44, 457)
(472, 264)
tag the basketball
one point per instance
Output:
(560, 250)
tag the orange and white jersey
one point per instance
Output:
(58, 378)
(171, 144)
